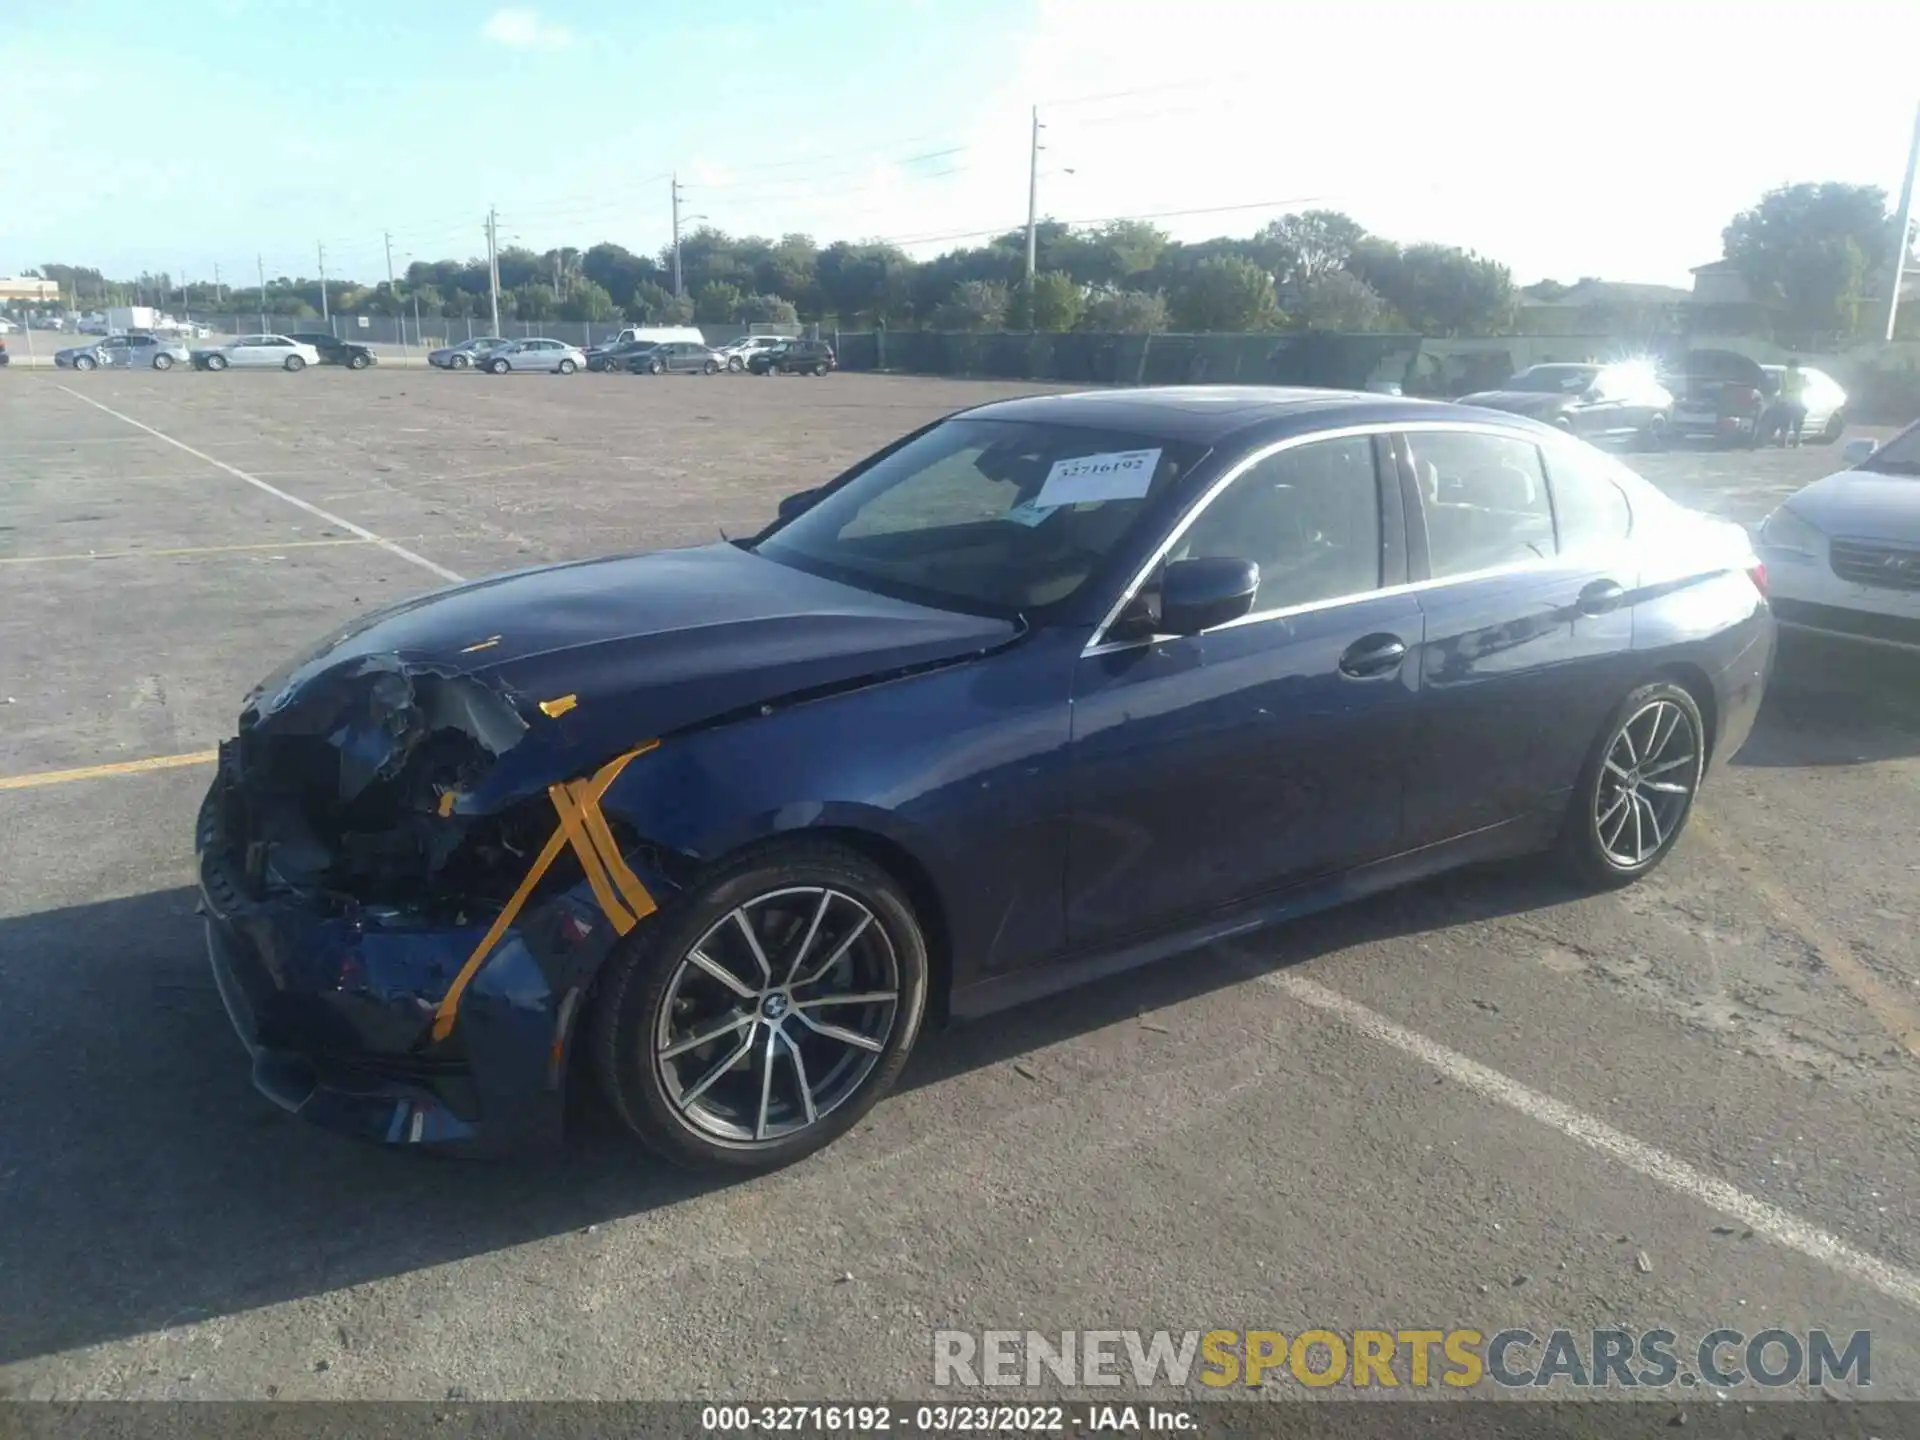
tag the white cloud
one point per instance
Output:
(524, 30)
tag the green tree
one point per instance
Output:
(1126, 312)
(716, 302)
(974, 305)
(1813, 249)
(863, 280)
(590, 302)
(1438, 289)
(1299, 249)
(654, 304)
(533, 302)
(1337, 301)
(1057, 303)
(1226, 293)
(765, 310)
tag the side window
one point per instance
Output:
(1485, 500)
(1309, 517)
(1590, 508)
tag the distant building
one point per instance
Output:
(28, 288)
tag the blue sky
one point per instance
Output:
(174, 134)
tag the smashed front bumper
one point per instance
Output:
(336, 1003)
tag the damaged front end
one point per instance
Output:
(362, 895)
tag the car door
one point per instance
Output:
(1527, 641)
(114, 351)
(1210, 768)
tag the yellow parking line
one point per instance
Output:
(188, 550)
(97, 772)
(1889, 1009)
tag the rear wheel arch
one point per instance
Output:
(1696, 682)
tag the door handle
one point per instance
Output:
(1600, 597)
(1373, 657)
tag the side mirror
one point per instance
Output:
(1859, 450)
(1197, 595)
(796, 504)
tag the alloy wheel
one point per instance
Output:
(1646, 783)
(777, 1015)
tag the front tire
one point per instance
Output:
(86, 362)
(712, 367)
(459, 362)
(216, 362)
(163, 362)
(294, 364)
(1636, 789)
(736, 364)
(1654, 435)
(496, 367)
(358, 362)
(655, 367)
(1835, 427)
(759, 1017)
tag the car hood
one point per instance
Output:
(1520, 402)
(548, 671)
(1862, 503)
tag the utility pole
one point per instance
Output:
(679, 287)
(1898, 267)
(493, 265)
(217, 296)
(261, 265)
(1033, 205)
(325, 318)
(393, 291)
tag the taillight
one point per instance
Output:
(1745, 398)
(1757, 573)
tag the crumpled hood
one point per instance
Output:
(1862, 504)
(599, 655)
(1518, 402)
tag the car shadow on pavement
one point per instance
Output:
(1836, 705)
(143, 1184)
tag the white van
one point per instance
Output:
(654, 335)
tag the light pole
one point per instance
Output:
(1898, 268)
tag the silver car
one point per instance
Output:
(125, 352)
(550, 356)
(466, 353)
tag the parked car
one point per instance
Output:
(1044, 690)
(737, 353)
(258, 352)
(1826, 402)
(796, 357)
(656, 335)
(125, 352)
(678, 357)
(1595, 402)
(335, 351)
(608, 358)
(5, 358)
(467, 353)
(1718, 395)
(548, 356)
(1843, 554)
(7, 327)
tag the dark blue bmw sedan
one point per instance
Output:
(1044, 691)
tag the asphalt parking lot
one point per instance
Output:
(1484, 1101)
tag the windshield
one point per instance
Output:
(1006, 517)
(1899, 456)
(1554, 379)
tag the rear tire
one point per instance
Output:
(736, 364)
(1836, 426)
(294, 364)
(1654, 435)
(216, 362)
(567, 367)
(712, 367)
(163, 362)
(1637, 789)
(656, 367)
(803, 901)
(820, 369)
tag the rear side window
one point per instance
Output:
(1589, 506)
(1485, 500)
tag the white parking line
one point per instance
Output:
(1664, 1169)
(277, 492)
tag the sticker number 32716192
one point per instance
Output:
(1085, 479)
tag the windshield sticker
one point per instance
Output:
(1090, 479)
(1027, 513)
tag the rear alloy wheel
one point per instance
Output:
(85, 362)
(163, 362)
(1637, 789)
(760, 1017)
(294, 362)
(567, 367)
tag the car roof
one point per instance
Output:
(1211, 414)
